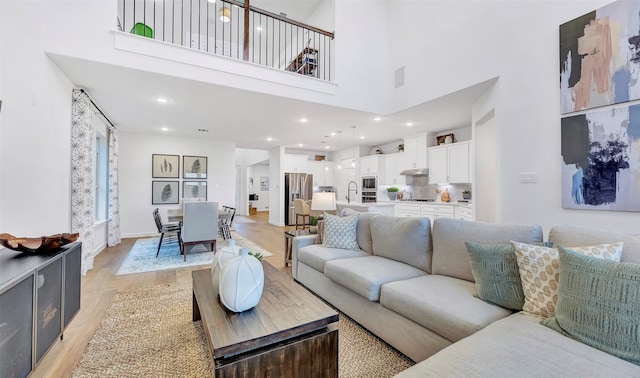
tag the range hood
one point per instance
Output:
(415, 172)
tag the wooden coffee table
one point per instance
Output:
(290, 333)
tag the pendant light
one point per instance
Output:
(225, 14)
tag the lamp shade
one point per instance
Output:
(323, 201)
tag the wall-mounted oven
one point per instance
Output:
(369, 189)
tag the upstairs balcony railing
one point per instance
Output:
(233, 29)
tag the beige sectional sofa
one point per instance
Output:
(413, 286)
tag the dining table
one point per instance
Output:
(176, 215)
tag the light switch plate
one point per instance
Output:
(528, 177)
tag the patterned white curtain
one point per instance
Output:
(82, 182)
(113, 237)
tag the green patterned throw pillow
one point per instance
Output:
(340, 232)
(598, 304)
(495, 270)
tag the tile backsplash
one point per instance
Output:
(421, 188)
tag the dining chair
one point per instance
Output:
(199, 225)
(172, 229)
(225, 224)
(302, 210)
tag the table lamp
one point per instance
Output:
(322, 201)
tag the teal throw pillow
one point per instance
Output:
(598, 304)
(495, 270)
(340, 232)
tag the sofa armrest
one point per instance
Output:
(296, 243)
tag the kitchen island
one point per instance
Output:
(384, 208)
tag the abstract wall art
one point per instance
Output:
(600, 57)
(601, 160)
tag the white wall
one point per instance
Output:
(449, 45)
(135, 176)
(276, 186)
(36, 127)
(255, 172)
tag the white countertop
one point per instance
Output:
(364, 204)
(393, 203)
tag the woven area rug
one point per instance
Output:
(148, 332)
(242, 219)
(142, 256)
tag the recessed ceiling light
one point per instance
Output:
(269, 139)
(211, 1)
(409, 123)
(300, 145)
(333, 134)
(327, 147)
(362, 136)
(259, 28)
(162, 100)
(303, 120)
(164, 128)
(377, 119)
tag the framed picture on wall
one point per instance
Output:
(165, 192)
(195, 190)
(165, 166)
(194, 167)
(264, 183)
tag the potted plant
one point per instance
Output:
(392, 192)
(313, 225)
(466, 194)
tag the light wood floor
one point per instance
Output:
(100, 284)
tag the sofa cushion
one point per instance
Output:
(340, 232)
(363, 231)
(518, 346)
(575, 236)
(407, 240)
(445, 305)
(598, 304)
(539, 272)
(316, 255)
(365, 275)
(450, 256)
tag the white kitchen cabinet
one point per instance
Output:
(409, 210)
(449, 163)
(464, 213)
(295, 163)
(434, 212)
(322, 172)
(370, 165)
(415, 152)
(393, 165)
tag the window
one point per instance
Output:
(101, 177)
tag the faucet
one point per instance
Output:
(349, 190)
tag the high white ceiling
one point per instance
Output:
(128, 98)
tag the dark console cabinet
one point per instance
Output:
(39, 295)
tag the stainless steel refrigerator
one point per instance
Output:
(296, 185)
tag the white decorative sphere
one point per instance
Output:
(241, 282)
(219, 259)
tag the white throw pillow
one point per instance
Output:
(540, 269)
(340, 232)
